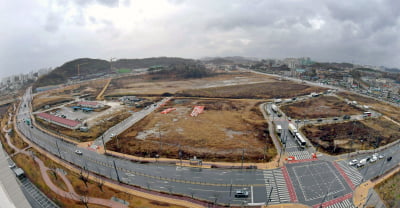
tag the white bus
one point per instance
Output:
(292, 129)
(300, 140)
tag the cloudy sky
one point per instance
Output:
(47, 33)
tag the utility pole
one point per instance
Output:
(78, 67)
(104, 145)
(58, 148)
(269, 196)
(116, 171)
(111, 59)
(242, 157)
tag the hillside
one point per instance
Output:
(89, 68)
(61, 74)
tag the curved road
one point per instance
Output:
(308, 182)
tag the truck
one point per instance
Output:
(279, 129)
(362, 162)
(292, 129)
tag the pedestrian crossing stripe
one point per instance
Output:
(354, 175)
(275, 185)
(300, 155)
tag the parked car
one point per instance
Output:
(319, 120)
(381, 156)
(78, 152)
(335, 118)
(373, 159)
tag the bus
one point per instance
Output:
(300, 140)
(292, 129)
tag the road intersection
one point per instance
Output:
(309, 182)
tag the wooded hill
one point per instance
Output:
(89, 67)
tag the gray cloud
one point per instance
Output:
(360, 31)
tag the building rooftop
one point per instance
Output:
(60, 120)
(88, 103)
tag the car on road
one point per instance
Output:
(389, 159)
(346, 117)
(335, 118)
(241, 194)
(373, 159)
(381, 156)
(319, 120)
(112, 135)
(11, 165)
(353, 162)
(78, 152)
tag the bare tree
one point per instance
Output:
(84, 177)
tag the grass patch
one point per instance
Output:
(388, 191)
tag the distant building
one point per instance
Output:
(90, 104)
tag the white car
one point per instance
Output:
(78, 152)
(375, 155)
(373, 159)
(353, 162)
(381, 156)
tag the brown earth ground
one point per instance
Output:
(67, 93)
(390, 111)
(144, 84)
(219, 134)
(319, 107)
(265, 90)
(351, 136)
(388, 190)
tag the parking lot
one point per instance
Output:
(311, 184)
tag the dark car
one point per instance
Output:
(319, 120)
(389, 158)
(346, 117)
(241, 194)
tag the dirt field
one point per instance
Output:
(389, 192)
(319, 107)
(144, 85)
(265, 90)
(66, 94)
(219, 134)
(352, 136)
(382, 107)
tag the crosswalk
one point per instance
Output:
(276, 188)
(351, 172)
(300, 155)
(343, 204)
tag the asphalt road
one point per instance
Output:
(214, 185)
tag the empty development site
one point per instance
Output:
(200, 138)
